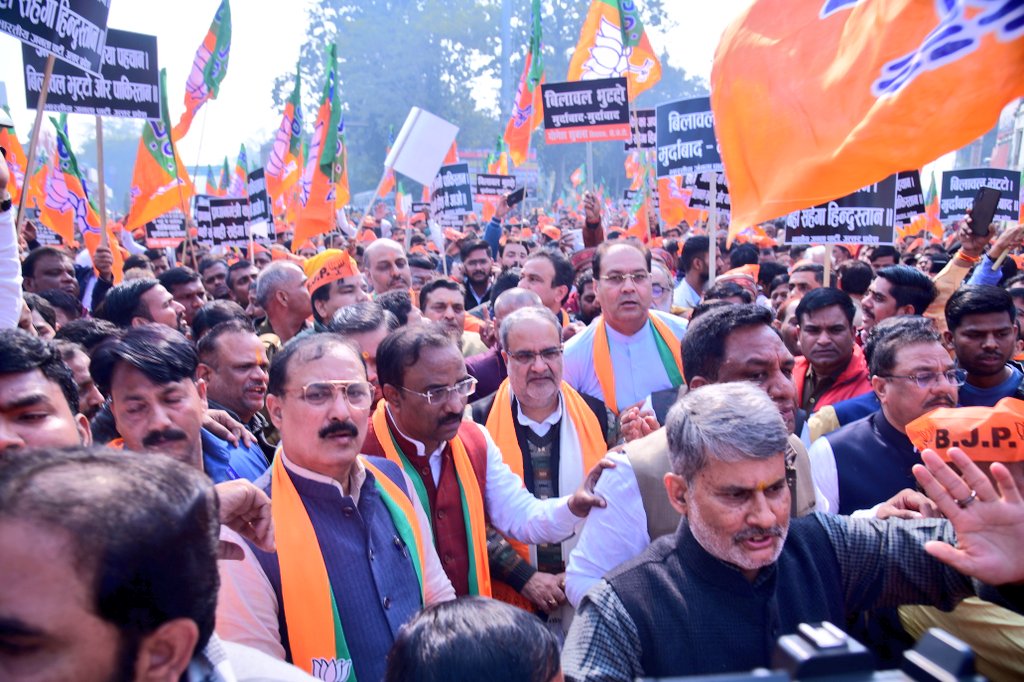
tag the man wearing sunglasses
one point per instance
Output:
(354, 560)
(869, 460)
(456, 468)
(551, 436)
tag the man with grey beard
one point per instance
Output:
(737, 574)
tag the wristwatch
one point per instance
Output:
(6, 203)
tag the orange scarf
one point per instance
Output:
(311, 612)
(469, 489)
(666, 342)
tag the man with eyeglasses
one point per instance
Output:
(456, 468)
(630, 351)
(548, 434)
(355, 561)
(870, 460)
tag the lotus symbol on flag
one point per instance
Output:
(609, 59)
(60, 199)
(521, 116)
(331, 669)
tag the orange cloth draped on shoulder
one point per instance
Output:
(603, 358)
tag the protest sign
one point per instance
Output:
(985, 434)
(586, 111)
(909, 197)
(73, 31)
(221, 221)
(420, 206)
(629, 197)
(128, 86)
(960, 186)
(44, 235)
(167, 230)
(700, 198)
(261, 220)
(490, 185)
(421, 146)
(865, 217)
(686, 138)
(451, 195)
(643, 129)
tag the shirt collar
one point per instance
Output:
(421, 449)
(541, 427)
(356, 477)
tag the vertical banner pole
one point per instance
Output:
(104, 239)
(712, 226)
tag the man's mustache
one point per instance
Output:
(754, 532)
(156, 437)
(345, 428)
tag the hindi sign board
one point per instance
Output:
(643, 129)
(686, 138)
(960, 186)
(73, 31)
(165, 231)
(221, 221)
(261, 220)
(128, 85)
(629, 197)
(868, 216)
(586, 111)
(490, 185)
(909, 197)
(451, 195)
(44, 235)
(700, 195)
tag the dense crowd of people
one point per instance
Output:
(548, 450)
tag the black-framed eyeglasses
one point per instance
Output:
(956, 377)
(436, 396)
(358, 394)
(527, 357)
(617, 279)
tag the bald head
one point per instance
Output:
(385, 262)
(513, 299)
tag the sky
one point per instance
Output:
(265, 43)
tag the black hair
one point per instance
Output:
(143, 532)
(693, 247)
(512, 241)
(887, 337)
(1016, 292)
(123, 303)
(705, 306)
(605, 246)
(87, 332)
(360, 318)
(24, 352)
(854, 276)
(727, 289)
(402, 349)
(155, 254)
(137, 261)
(978, 299)
(583, 279)
(825, 297)
(910, 286)
(175, 277)
(818, 270)
(38, 304)
(777, 281)
(398, 302)
(473, 639)
(471, 245)
(703, 347)
(435, 284)
(156, 350)
(420, 261)
(28, 266)
(564, 272)
(882, 251)
(63, 301)
(235, 267)
(506, 279)
(768, 271)
(209, 262)
(307, 348)
(743, 254)
(206, 347)
(214, 313)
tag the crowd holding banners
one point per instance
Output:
(565, 410)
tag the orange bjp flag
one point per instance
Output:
(528, 111)
(613, 44)
(17, 163)
(813, 100)
(673, 200)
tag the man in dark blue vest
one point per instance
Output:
(737, 574)
(869, 460)
(320, 401)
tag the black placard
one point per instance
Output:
(868, 216)
(490, 185)
(686, 138)
(451, 195)
(420, 206)
(74, 31)
(129, 86)
(643, 129)
(586, 111)
(909, 197)
(261, 219)
(221, 221)
(629, 196)
(700, 196)
(166, 230)
(960, 186)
